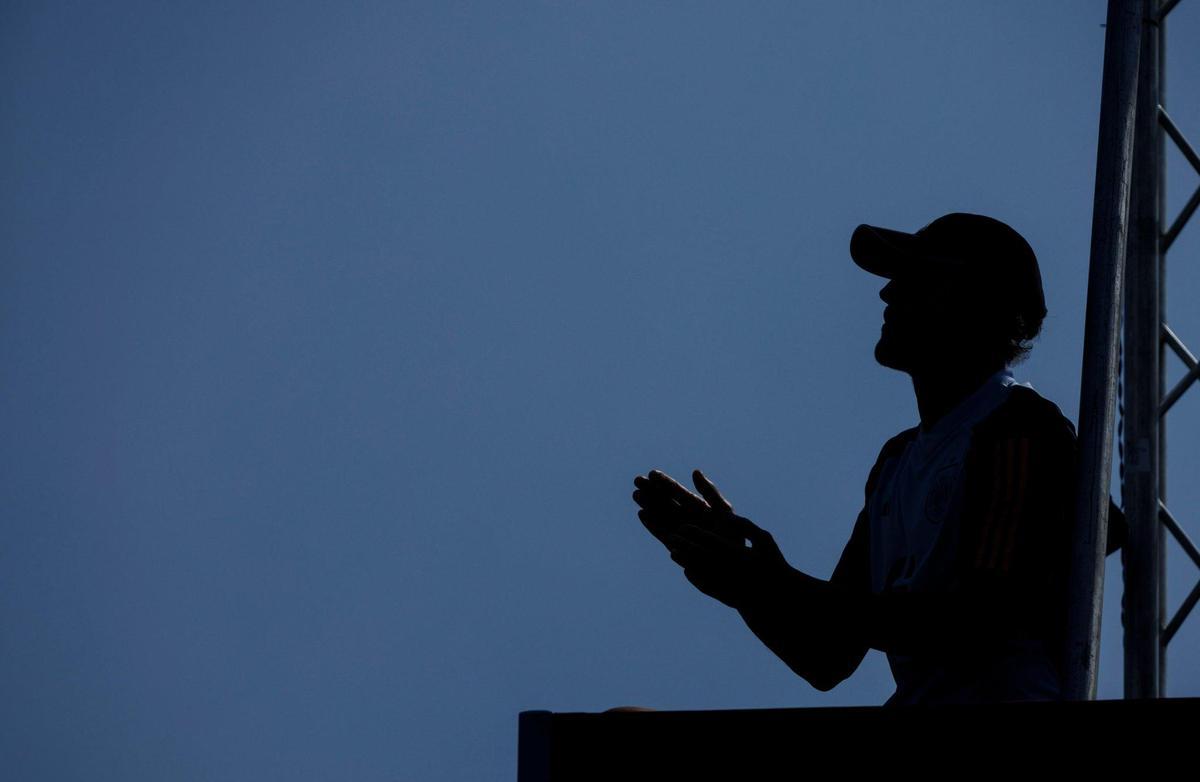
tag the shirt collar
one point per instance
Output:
(971, 409)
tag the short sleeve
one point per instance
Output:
(1015, 531)
(1019, 486)
(853, 570)
(841, 617)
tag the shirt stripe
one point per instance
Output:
(1010, 484)
(1017, 521)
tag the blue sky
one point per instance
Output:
(333, 336)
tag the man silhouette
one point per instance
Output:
(956, 567)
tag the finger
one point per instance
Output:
(688, 554)
(660, 488)
(692, 547)
(710, 493)
(709, 541)
(657, 525)
(656, 501)
(680, 493)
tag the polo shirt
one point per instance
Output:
(919, 488)
(965, 531)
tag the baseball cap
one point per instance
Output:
(993, 263)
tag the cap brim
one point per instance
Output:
(883, 251)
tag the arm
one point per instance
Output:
(819, 628)
(785, 608)
(807, 622)
(1010, 577)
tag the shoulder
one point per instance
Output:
(1027, 414)
(1044, 442)
(895, 445)
(1025, 443)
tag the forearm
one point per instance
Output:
(805, 622)
(822, 630)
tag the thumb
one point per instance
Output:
(759, 538)
(752, 531)
(709, 492)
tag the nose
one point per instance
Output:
(888, 292)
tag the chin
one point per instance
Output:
(887, 355)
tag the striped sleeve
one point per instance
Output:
(1015, 470)
(1016, 523)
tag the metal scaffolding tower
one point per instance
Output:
(1129, 248)
(1148, 625)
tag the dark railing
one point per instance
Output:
(966, 741)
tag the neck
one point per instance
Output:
(940, 390)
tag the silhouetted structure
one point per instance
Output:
(1148, 623)
(753, 744)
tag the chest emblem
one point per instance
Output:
(937, 501)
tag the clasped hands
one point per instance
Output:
(709, 541)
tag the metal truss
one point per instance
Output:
(1147, 627)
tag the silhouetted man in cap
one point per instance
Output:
(957, 564)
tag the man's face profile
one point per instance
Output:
(927, 322)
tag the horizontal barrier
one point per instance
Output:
(824, 743)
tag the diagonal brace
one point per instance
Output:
(1169, 522)
(1188, 603)
(1184, 215)
(1177, 136)
(1190, 548)
(1184, 383)
(1180, 349)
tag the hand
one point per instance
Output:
(708, 540)
(666, 505)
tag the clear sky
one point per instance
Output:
(332, 336)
